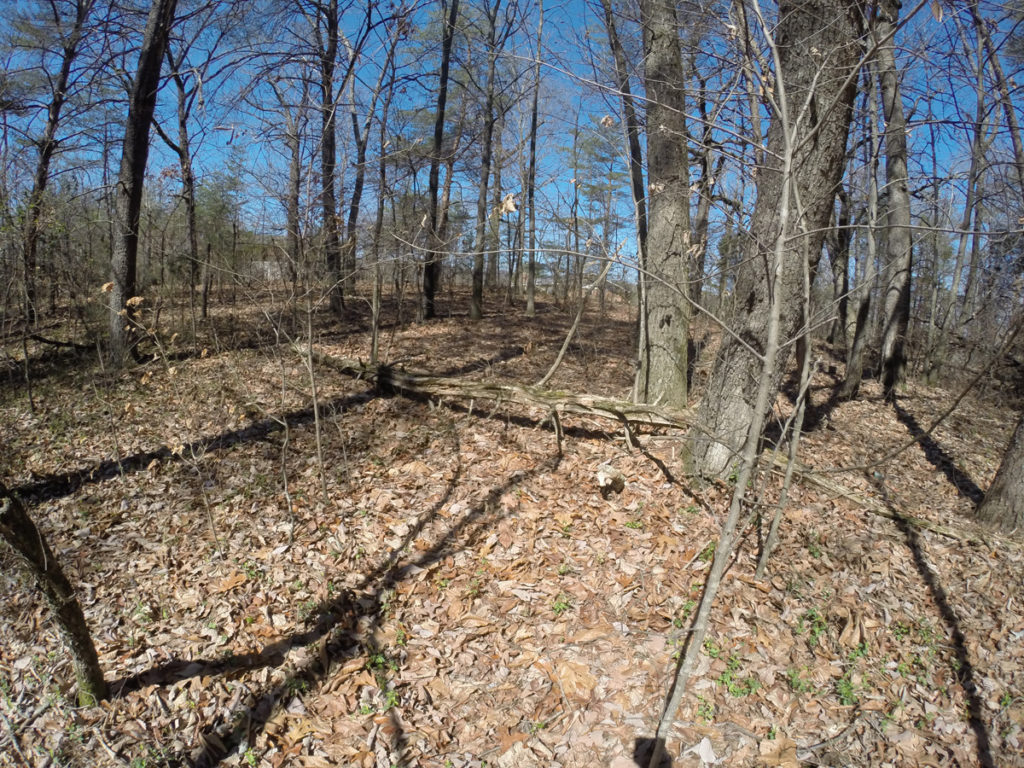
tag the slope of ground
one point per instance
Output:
(391, 582)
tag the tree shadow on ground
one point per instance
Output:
(643, 749)
(57, 486)
(962, 667)
(47, 364)
(476, 366)
(938, 457)
(816, 415)
(334, 630)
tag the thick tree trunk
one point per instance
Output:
(128, 192)
(432, 265)
(661, 377)
(21, 534)
(819, 51)
(899, 246)
(1003, 505)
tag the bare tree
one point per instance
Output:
(899, 245)
(69, 32)
(325, 27)
(818, 58)
(866, 263)
(432, 263)
(494, 44)
(531, 174)
(196, 59)
(128, 200)
(665, 310)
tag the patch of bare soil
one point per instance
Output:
(390, 582)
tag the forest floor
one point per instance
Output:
(414, 583)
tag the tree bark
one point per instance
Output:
(476, 302)
(1003, 505)
(531, 176)
(361, 135)
(818, 52)
(493, 236)
(839, 252)
(327, 43)
(636, 181)
(293, 235)
(128, 202)
(432, 265)
(899, 245)
(710, 171)
(866, 268)
(665, 324)
(21, 534)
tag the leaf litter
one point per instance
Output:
(447, 590)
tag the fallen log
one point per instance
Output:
(390, 379)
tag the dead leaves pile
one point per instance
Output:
(444, 590)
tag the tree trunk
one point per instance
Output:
(128, 202)
(183, 150)
(493, 237)
(327, 41)
(432, 265)
(382, 196)
(294, 246)
(476, 303)
(665, 310)
(710, 172)
(348, 250)
(21, 534)
(1009, 112)
(899, 250)
(636, 179)
(1003, 505)
(839, 247)
(531, 176)
(818, 51)
(866, 272)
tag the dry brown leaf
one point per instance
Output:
(229, 582)
(780, 752)
(576, 680)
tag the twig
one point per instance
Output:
(14, 738)
(575, 324)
